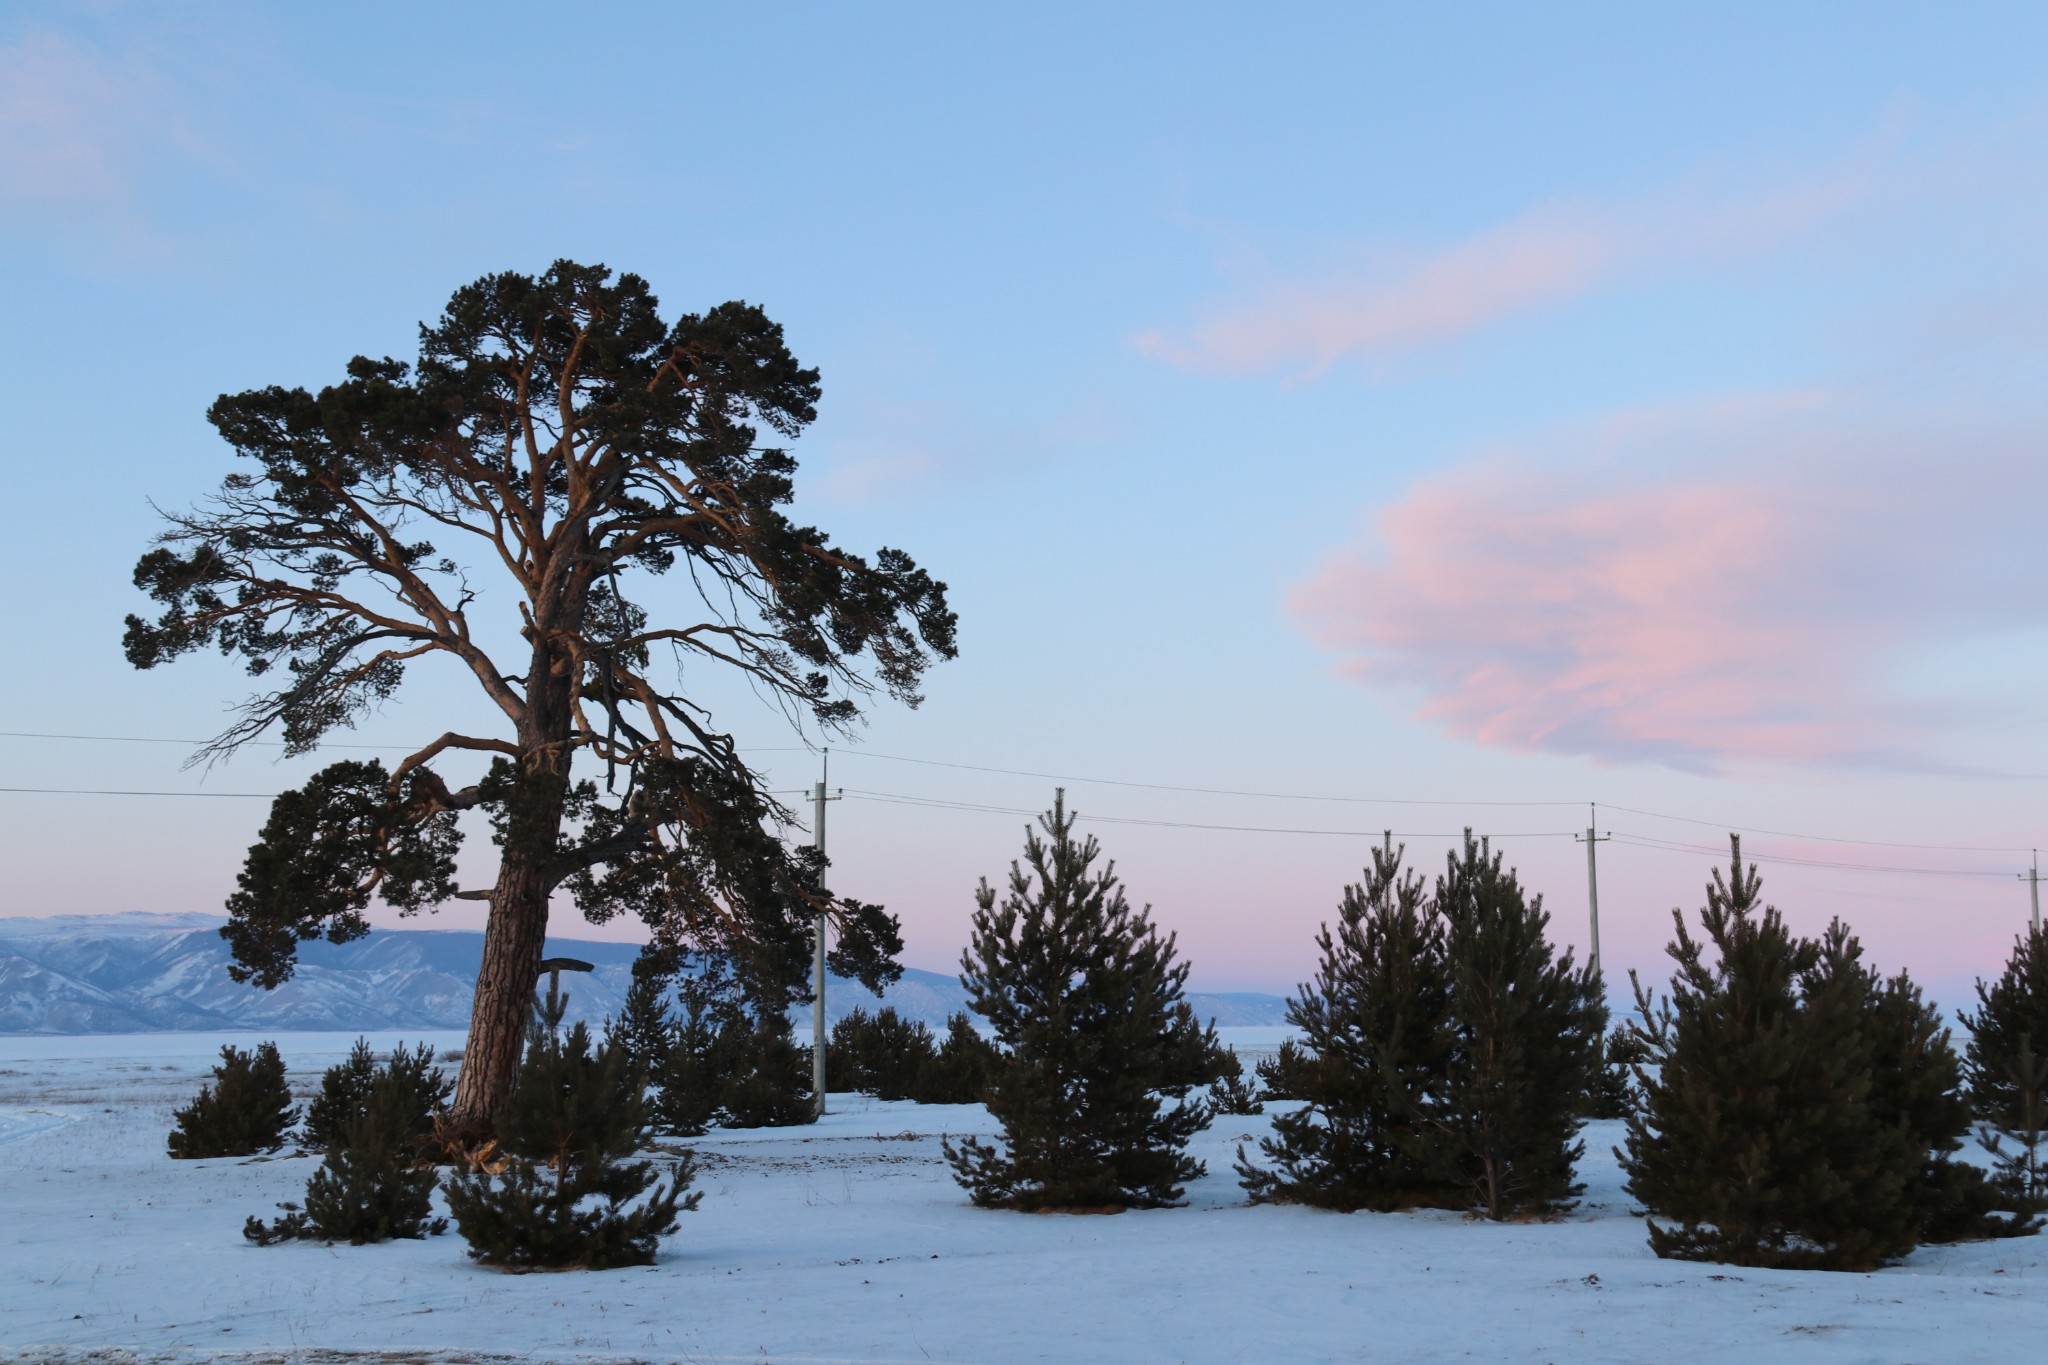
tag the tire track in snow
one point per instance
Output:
(19, 1121)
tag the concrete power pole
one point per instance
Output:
(1590, 839)
(2034, 888)
(818, 800)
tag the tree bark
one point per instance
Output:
(518, 925)
(505, 981)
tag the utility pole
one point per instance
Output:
(2034, 888)
(1590, 839)
(818, 800)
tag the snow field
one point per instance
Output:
(849, 1241)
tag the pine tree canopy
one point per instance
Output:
(500, 506)
(1797, 1111)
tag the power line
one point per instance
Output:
(98, 791)
(279, 744)
(896, 798)
(1199, 791)
(1671, 846)
(155, 739)
(1818, 838)
(1403, 801)
(1111, 782)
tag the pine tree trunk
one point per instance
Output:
(505, 983)
(518, 924)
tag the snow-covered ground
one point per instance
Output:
(850, 1242)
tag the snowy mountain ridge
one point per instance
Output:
(147, 973)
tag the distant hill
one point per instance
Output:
(146, 973)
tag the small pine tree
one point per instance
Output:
(764, 1077)
(849, 1051)
(568, 1195)
(1376, 1038)
(880, 1054)
(1194, 1056)
(644, 1033)
(960, 1071)
(904, 1048)
(1080, 992)
(1613, 1094)
(1230, 1093)
(690, 1077)
(345, 1089)
(247, 1109)
(2006, 1068)
(1288, 1074)
(370, 1186)
(1528, 1029)
(1797, 1112)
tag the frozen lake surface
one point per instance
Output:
(849, 1241)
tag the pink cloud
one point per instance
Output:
(1543, 257)
(1749, 604)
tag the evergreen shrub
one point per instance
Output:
(247, 1108)
(1080, 992)
(880, 1054)
(1613, 1094)
(1285, 1074)
(645, 1031)
(726, 1066)
(690, 1076)
(960, 1070)
(568, 1192)
(372, 1184)
(421, 1092)
(765, 1076)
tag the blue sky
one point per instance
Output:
(1460, 406)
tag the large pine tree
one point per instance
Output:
(1375, 1046)
(1080, 991)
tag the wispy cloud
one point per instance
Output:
(80, 124)
(1414, 299)
(1698, 587)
